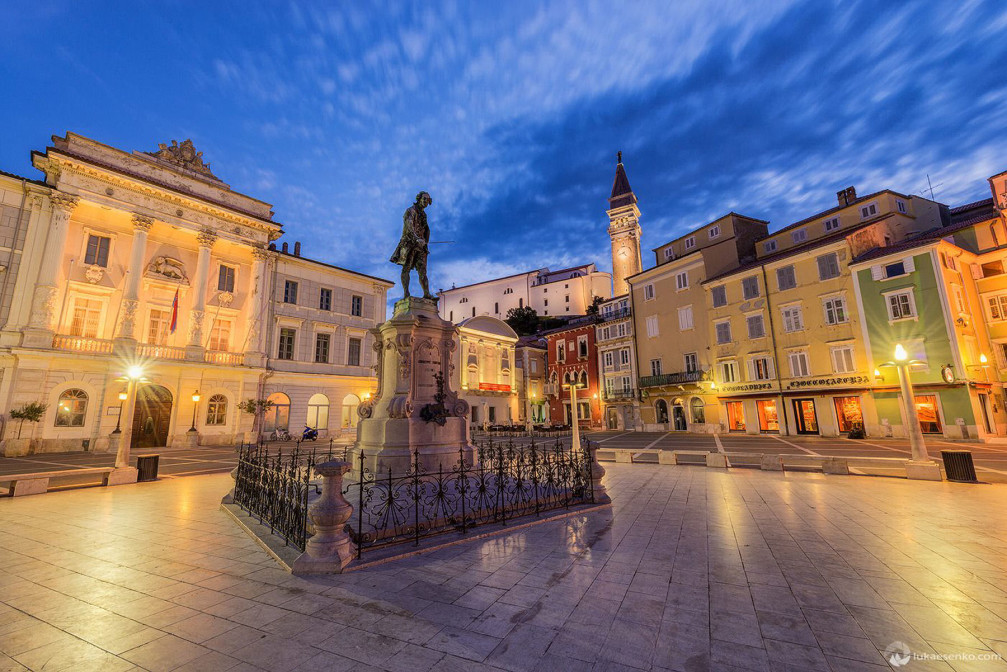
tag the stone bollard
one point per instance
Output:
(772, 463)
(229, 498)
(330, 549)
(597, 473)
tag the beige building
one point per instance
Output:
(616, 348)
(671, 322)
(147, 259)
(533, 360)
(561, 293)
(487, 376)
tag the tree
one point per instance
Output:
(256, 408)
(523, 320)
(32, 412)
(595, 303)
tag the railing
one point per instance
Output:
(617, 395)
(616, 314)
(674, 378)
(222, 357)
(507, 481)
(549, 389)
(160, 351)
(82, 344)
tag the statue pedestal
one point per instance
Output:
(414, 410)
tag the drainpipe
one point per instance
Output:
(17, 232)
(776, 359)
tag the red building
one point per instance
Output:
(572, 358)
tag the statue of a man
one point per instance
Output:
(412, 250)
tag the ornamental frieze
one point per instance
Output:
(828, 382)
(748, 387)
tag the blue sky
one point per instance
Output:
(510, 113)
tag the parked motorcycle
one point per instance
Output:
(309, 434)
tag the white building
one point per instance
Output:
(486, 372)
(561, 293)
(149, 259)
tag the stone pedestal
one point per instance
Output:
(122, 476)
(329, 549)
(923, 470)
(414, 410)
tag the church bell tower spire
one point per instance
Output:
(624, 230)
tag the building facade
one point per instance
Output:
(624, 231)
(616, 347)
(147, 259)
(533, 360)
(487, 375)
(573, 360)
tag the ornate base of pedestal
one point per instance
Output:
(415, 411)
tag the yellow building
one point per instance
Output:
(784, 329)
(670, 321)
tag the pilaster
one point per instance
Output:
(126, 328)
(206, 238)
(41, 323)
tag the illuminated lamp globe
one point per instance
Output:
(900, 353)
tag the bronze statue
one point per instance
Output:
(411, 252)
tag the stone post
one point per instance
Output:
(131, 291)
(43, 309)
(330, 550)
(206, 238)
(597, 473)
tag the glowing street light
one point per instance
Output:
(195, 404)
(920, 464)
(134, 374)
(122, 400)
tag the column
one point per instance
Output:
(131, 290)
(257, 304)
(43, 312)
(205, 238)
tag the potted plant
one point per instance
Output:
(32, 412)
(256, 408)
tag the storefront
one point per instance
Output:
(769, 418)
(849, 413)
(735, 416)
(805, 416)
(929, 417)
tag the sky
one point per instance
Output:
(511, 113)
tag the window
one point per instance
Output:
(828, 266)
(609, 360)
(652, 326)
(750, 288)
(723, 332)
(566, 299)
(868, 210)
(86, 317)
(998, 307)
(685, 318)
(322, 342)
(216, 410)
(655, 367)
(842, 359)
(72, 408)
(669, 253)
(624, 356)
(690, 242)
(582, 346)
(799, 235)
(318, 412)
(509, 290)
(97, 251)
(728, 372)
(798, 364)
(769, 246)
(220, 335)
(464, 299)
(534, 366)
(356, 305)
(520, 303)
(289, 291)
(353, 352)
(831, 224)
(496, 308)
(761, 368)
(714, 231)
(682, 280)
(756, 328)
(698, 410)
(901, 205)
(561, 351)
(835, 310)
(719, 296)
(901, 305)
(691, 362)
(786, 278)
(324, 299)
(286, 350)
(225, 279)
(894, 270)
(158, 326)
(793, 320)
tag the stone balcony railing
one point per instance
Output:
(94, 346)
(151, 351)
(100, 346)
(619, 395)
(677, 378)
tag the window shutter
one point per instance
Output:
(770, 368)
(909, 264)
(876, 273)
(977, 271)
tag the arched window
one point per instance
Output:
(318, 411)
(583, 379)
(72, 408)
(216, 410)
(278, 415)
(661, 411)
(698, 410)
(350, 403)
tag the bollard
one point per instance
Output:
(772, 463)
(330, 549)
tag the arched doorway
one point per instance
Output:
(151, 417)
(277, 415)
(318, 412)
(678, 415)
(613, 418)
(350, 403)
(661, 411)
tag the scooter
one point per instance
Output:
(309, 434)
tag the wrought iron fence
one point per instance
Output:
(507, 480)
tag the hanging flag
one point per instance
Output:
(174, 313)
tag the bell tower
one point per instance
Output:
(624, 230)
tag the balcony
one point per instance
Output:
(620, 395)
(100, 346)
(93, 346)
(616, 314)
(222, 357)
(149, 351)
(679, 378)
(550, 389)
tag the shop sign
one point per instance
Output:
(830, 381)
(494, 387)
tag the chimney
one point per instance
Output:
(272, 246)
(846, 196)
(297, 249)
(284, 248)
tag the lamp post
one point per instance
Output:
(195, 404)
(920, 466)
(984, 362)
(575, 420)
(122, 400)
(133, 375)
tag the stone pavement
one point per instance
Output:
(692, 569)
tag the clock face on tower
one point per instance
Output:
(623, 252)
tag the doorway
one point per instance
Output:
(804, 413)
(735, 416)
(661, 411)
(926, 412)
(277, 416)
(984, 403)
(678, 415)
(151, 417)
(613, 418)
(769, 419)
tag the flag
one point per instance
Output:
(174, 313)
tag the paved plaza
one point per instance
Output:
(691, 569)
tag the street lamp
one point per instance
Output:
(134, 374)
(195, 404)
(573, 386)
(920, 465)
(983, 362)
(122, 400)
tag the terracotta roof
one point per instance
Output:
(622, 193)
(836, 208)
(41, 183)
(973, 213)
